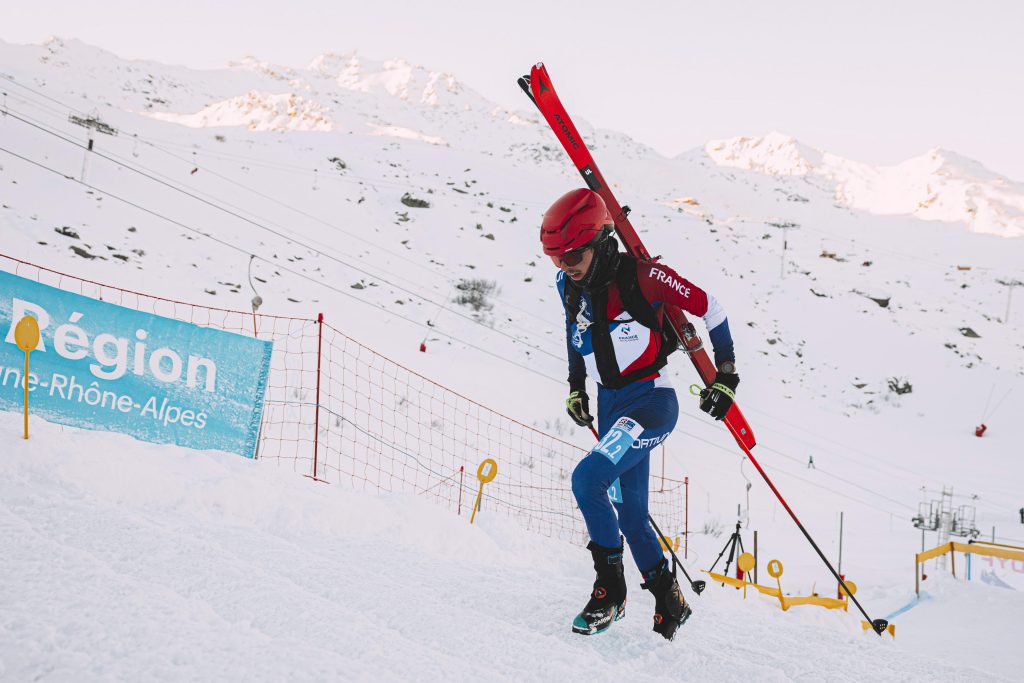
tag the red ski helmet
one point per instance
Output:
(576, 219)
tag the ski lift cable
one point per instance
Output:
(317, 219)
(287, 237)
(279, 266)
(154, 146)
(191, 162)
(1000, 403)
(825, 472)
(984, 412)
(844, 450)
(122, 161)
(806, 481)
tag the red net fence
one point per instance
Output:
(339, 412)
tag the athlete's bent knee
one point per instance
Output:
(586, 478)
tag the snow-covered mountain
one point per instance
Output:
(939, 185)
(396, 77)
(370, 190)
(257, 111)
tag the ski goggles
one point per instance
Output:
(571, 258)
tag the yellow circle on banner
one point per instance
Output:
(746, 562)
(26, 334)
(851, 585)
(487, 471)
(775, 569)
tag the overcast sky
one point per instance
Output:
(873, 81)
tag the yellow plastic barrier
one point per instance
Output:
(1000, 551)
(775, 570)
(980, 549)
(746, 563)
(934, 552)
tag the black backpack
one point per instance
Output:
(639, 310)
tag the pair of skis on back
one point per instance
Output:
(538, 87)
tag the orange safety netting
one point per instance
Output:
(340, 412)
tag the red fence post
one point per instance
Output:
(686, 519)
(316, 419)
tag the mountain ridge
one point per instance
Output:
(939, 184)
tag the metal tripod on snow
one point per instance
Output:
(734, 542)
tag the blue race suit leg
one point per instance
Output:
(632, 422)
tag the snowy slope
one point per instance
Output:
(126, 561)
(323, 212)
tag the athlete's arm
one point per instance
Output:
(660, 283)
(577, 368)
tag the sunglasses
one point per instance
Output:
(572, 258)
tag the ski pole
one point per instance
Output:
(696, 586)
(878, 625)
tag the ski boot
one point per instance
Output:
(608, 599)
(670, 610)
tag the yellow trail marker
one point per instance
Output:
(775, 571)
(26, 336)
(673, 543)
(746, 563)
(486, 473)
(853, 591)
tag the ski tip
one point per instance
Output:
(524, 83)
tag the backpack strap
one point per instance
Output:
(633, 300)
(639, 310)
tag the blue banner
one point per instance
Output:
(102, 366)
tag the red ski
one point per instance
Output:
(538, 87)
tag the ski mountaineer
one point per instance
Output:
(614, 312)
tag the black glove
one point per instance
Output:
(717, 399)
(578, 407)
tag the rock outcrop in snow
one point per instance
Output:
(396, 77)
(260, 111)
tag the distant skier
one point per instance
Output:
(614, 308)
(1022, 515)
(810, 463)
